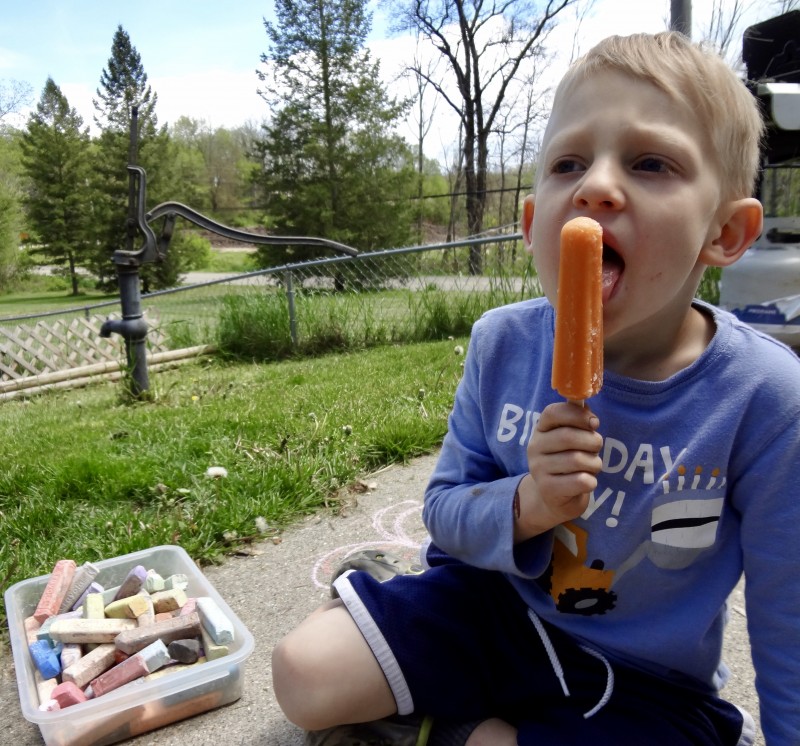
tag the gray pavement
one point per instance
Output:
(282, 582)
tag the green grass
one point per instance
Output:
(231, 261)
(42, 300)
(89, 477)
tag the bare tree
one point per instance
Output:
(14, 95)
(423, 118)
(723, 29)
(486, 47)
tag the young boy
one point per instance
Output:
(582, 556)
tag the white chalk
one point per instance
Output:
(218, 626)
(155, 656)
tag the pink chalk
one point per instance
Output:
(31, 627)
(55, 590)
(67, 694)
(189, 606)
(128, 670)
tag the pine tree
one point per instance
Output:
(55, 152)
(123, 86)
(11, 214)
(332, 165)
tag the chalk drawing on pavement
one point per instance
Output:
(398, 528)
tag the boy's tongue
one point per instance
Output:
(612, 269)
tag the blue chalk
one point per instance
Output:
(45, 659)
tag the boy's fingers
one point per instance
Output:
(566, 414)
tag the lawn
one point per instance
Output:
(88, 476)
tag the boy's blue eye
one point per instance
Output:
(566, 167)
(655, 165)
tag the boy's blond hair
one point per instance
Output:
(698, 78)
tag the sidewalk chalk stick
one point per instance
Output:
(153, 582)
(155, 656)
(90, 630)
(81, 580)
(133, 640)
(211, 650)
(149, 615)
(178, 581)
(189, 606)
(67, 694)
(109, 594)
(70, 654)
(94, 606)
(185, 650)
(31, 627)
(45, 659)
(133, 583)
(91, 665)
(55, 590)
(94, 587)
(43, 686)
(43, 633)
(168, 600)
(130, 607)
(115, 677)
(217, 625)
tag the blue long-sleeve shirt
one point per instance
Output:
(700, 483)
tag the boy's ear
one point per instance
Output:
(527, 221)
(742, 221)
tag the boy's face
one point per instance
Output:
(621, 151)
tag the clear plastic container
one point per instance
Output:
(139, 706)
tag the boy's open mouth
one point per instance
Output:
(613, 266)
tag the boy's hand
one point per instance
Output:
(563, 460)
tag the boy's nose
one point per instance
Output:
(599, 189)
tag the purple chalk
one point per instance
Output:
(95, 587)
(45, 659)
(132, 584)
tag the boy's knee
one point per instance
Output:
(324, 673)
(292, 681)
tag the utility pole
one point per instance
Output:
(681, 16)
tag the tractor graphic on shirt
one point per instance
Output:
(680, 530)
(577, 587)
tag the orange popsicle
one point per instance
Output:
(578, 352)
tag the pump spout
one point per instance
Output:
(129, 329)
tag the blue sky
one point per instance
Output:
(201, 55)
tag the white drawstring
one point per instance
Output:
(609, 681)
(559, 671)
(551, 651)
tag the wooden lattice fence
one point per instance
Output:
(64, 353)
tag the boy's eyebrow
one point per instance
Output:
(580, 135)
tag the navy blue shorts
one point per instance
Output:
(458, 643)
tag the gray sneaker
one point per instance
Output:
(380, 565)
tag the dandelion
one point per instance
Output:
(230, 536)
(215, 472)
(195, 397)
(261, 525)
(458, 349)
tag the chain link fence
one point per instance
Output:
(343, 302)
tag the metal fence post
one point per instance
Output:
(290, 303)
